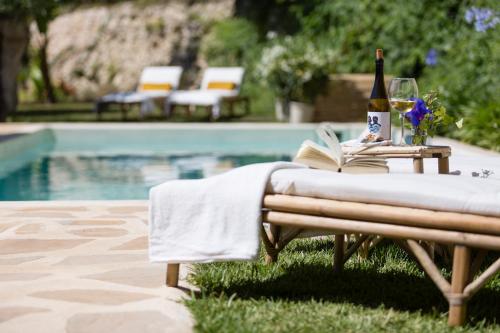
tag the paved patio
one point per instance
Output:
(74, 266)
(83, 267)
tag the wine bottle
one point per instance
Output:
(379, 116)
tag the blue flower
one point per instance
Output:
(418, 112)
(470, 14)
(432, 57)
(483, 18)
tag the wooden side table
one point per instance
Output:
(417, 153)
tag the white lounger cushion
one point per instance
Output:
(170, 75)
(435, 192)
(162, 74)
(200, 97)
(223, 74)
(209, 97)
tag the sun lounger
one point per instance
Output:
(463, 213)
(154, 83)
(219, 85)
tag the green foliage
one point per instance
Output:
(235, 42)
(231, 42)
(406, 30)
(468, 57)
(481, 126)
(296, 68)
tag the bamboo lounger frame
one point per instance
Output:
(407, 226)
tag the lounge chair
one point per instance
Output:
(411, 209)
(219, 85)
(155, 83)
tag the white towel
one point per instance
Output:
(212, 219)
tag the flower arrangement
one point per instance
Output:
(295, 69)
(427, 116)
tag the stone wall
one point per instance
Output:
(346, 99)
(95, 50)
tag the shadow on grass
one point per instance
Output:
(363, 283)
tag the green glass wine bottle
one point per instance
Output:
(379, 115)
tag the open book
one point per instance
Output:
(332, 158)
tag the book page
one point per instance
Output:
(327, 134)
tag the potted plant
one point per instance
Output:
(297, 71)
(427, 116)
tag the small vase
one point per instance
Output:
(418, 137)
(301, 112)
(282, 109)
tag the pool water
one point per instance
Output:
(102, 177)
(114, 162)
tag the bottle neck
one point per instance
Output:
(379, 69)
(379, 85)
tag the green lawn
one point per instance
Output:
(385, 293)
(83, 112)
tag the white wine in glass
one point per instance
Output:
(403, 93)
(401, 105)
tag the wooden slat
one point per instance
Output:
(382, 229)
(405, 151)
(384, 214)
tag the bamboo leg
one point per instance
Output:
(482, 279)
(443, 165)
(359, 242)
(172, 275)
(418, 165)
(274, 236)
(459, 279)
(428, 265)
(338, 255)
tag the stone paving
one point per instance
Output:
(83, 267)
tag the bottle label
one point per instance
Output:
(379, 126)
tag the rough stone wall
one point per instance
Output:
(95, 50)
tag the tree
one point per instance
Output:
(15, 16)
(45, 11)
(14, 37)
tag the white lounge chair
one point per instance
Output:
(156, 82)
(219, 84)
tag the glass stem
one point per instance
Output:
(402, 118)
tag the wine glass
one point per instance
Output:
(403, 93)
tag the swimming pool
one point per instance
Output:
(112, 162)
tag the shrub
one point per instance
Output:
(481, 126)
(235, 42)
(451, 45)
(296, 68)
(231, 42)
